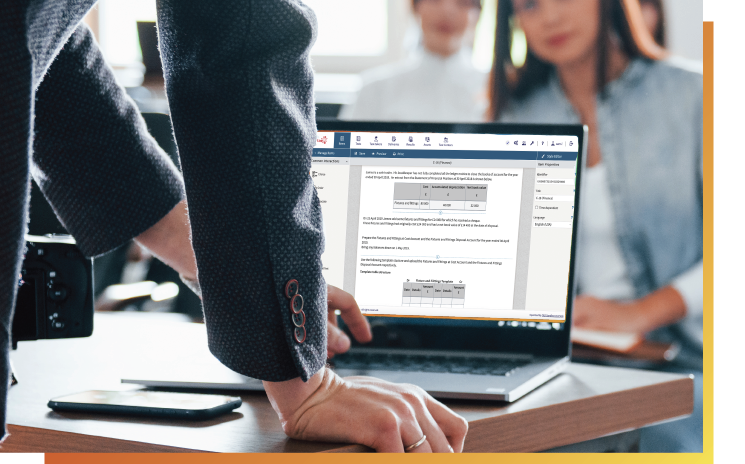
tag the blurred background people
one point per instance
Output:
(438, 83)
(640, 250)
(445, 35)
(408, 91)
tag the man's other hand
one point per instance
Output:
(338, 341)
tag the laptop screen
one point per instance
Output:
(445, 225)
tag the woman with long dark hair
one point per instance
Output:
(594, 62)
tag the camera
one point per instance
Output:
(55, 293)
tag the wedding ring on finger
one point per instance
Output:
(416, 445)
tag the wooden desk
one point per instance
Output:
(584, 403)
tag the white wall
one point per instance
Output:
(685, 34)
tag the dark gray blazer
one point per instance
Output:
(239, 86)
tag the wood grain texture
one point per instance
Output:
(33, 440)
(580, 420)
(583, 403)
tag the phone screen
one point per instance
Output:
(148, 399)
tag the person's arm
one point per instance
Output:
(683, 297)
(169, 240)
(93, 158)
(240, 90)
(658, 309)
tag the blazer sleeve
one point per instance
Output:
(16, 98)
(93, 158)
(104, 175)
(240, 89)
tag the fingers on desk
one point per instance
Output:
(416, 413)
(452, 425)
(397, 428)
(435, 436)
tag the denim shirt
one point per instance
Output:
(650, 131)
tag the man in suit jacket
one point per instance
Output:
(240, 89)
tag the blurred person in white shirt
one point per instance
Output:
(438, 83)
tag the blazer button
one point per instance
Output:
(296, 303)
(298, 319)
(291, 288)
(299, 334)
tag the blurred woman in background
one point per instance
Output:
(640, 249)
(439, 83)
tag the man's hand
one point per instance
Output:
(338, 341)
(382, 415)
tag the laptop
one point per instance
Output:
(458, 241)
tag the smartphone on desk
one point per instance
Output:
(147, 403)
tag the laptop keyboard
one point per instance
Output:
(427, 363)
